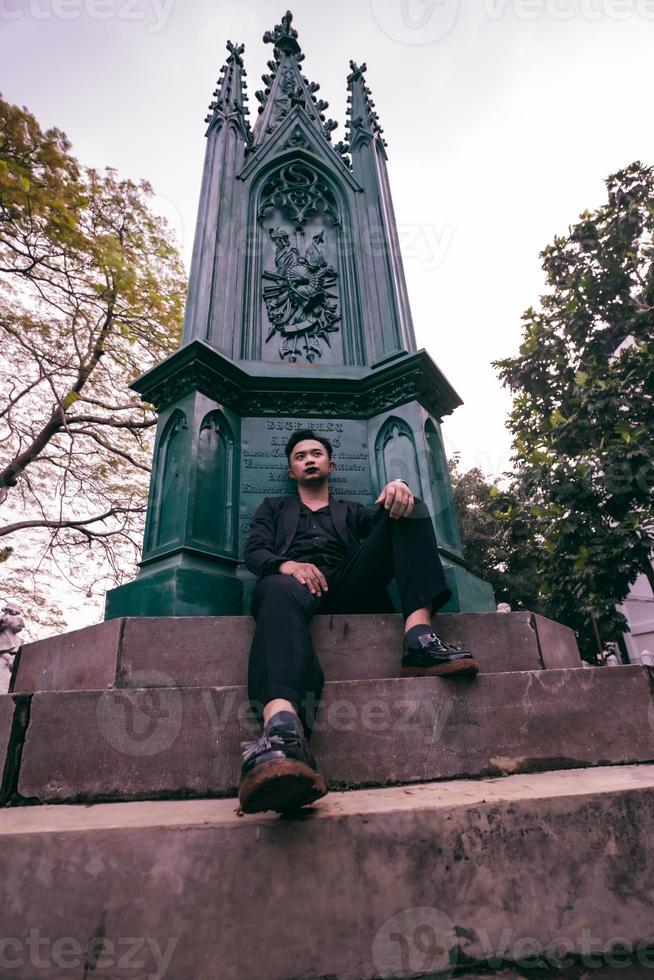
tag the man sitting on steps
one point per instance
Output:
(313, 553)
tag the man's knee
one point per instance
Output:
(282, 590)
(420, 509)
(420, 512)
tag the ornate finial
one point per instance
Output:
(284, 36)
(235, 52)
(230, 96)
(362, 118)
(343, 149)
(357, 71)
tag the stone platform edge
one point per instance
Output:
(165, 743)
(495, 869)
(213, 651)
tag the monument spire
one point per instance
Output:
(362, 120)
(228, 136)
(230, 96)
(287, 92)
(369, 167)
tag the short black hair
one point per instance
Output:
(300, 435)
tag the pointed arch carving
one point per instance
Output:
(215, 491)
(168, 506)
(447, 531)
(300, 192)
(396, 455)
(312, 306)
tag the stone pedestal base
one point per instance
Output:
(215, 590)
(469, 593)
(182, 588)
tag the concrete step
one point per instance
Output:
(202, 651)
(178, 742)
(399, 882)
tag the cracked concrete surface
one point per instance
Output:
(522, 858)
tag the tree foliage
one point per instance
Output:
(498, 544)
(91, 295)
(583, 415)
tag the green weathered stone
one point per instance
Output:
(297, 317)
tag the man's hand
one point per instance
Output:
(307, 574)
(397, 499)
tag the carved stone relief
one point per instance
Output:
(300, 193)
(297, 139)
(302, 306)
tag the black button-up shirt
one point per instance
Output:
(317, 540)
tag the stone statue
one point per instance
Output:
(11, 623)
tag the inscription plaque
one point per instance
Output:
(264, 466)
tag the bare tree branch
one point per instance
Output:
(75, 525)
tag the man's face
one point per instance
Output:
(309, 463)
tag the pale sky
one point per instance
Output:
(503, 117)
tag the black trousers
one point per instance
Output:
(283, 663)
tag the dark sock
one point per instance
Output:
(412, 635)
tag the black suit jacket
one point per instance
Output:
(275, 523)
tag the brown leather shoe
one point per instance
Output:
(279, 771)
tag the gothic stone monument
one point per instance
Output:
(297, 315)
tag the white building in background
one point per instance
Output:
(638, 608)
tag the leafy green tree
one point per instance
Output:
(40, 191)
(583, 412)
(498, 544)
(91, 295)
